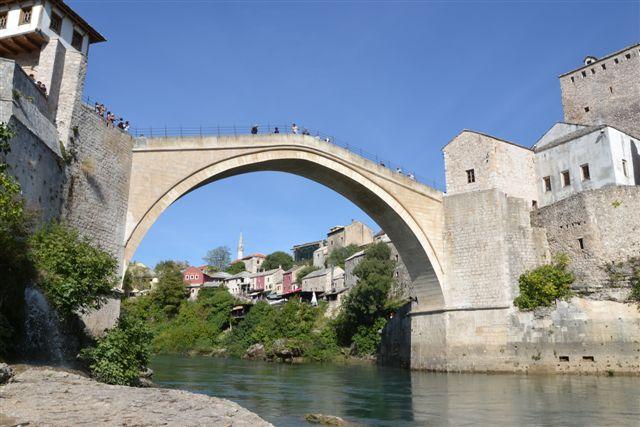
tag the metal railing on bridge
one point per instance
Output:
(202, 131)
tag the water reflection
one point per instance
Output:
(369, 395)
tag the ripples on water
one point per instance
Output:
(370, 395)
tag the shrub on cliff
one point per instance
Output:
(74, 274)
(366, 308)
(544, 285)
(16, 268)
(121, 354)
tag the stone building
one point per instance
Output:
(51, 42)
(238, 284)
(355, 233)
(322, 281)
(605, 91)
(509, 209)
(252, 262)
(304, 251)
(320, 256)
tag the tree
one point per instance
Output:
(121, 353)
(544, 285)
(73, 273)
(277, 259)
(16, 268)
(169, 266)
(138, 276)
(365, 309)
(338, 256)
(236, 267)
(170, 292)
(219, 257)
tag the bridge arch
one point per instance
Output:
(164, 170)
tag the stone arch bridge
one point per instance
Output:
(165, 169)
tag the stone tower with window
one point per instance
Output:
(605, 91)
(51, 42)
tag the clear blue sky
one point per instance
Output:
(399, 79)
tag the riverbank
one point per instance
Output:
(54, 397)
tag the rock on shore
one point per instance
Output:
(44, 396)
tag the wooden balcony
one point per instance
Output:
(18, 44)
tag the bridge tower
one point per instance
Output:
(51, 43)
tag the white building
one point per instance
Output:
(570, 158)
(238, 284)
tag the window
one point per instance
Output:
(581, 243)
(628, 56)
(611, 89)
(3, 20)
(566, 179)
(584, 169)
(625, 170)
(616, 60)
(604, 67)
(573, 79)
(584, 74)
(76, 41)
(547, 183)
(534, 204)
(593, 71)
(471, 176)
(586, 109)
(56, 23)
(25, 15)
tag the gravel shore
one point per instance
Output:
(43, 396)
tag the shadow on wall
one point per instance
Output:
(395, 346)
(635, 160)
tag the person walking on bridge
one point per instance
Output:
(276, 130)
(254, 130)
(294, 129)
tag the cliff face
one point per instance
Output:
(42, 396)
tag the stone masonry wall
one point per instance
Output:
(611, 94)
(489, 242)
(98, 189)
(497, 164)
(35, 159)
(608, 222)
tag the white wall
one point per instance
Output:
(603, 150)
(13, 20)
(41, 19)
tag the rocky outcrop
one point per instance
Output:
(43, 396)
(6, 373)
(255, 352)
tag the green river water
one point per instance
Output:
(371, 395)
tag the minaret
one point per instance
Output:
(240, 248)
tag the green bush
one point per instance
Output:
(236, 267)
(277, 259)
(121, 354)
(74, 274)
(365, 310)
(338, 256)
(16, 267)
(544, 285)
(170, 291)
(198, 325)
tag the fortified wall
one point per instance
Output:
(509, 209)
